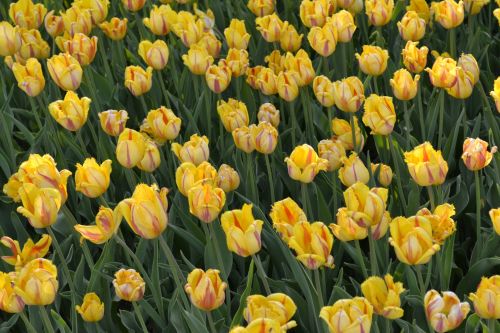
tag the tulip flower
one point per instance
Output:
(133, 5)
(268, 112)
(65, 71)
(496, 93)
(333, 151)
(411, 27)
(285, 214)
(98, 9)
(10, 39)
(91, 178)
(206, 201)
(33, 45)
(195, 150)
(26, 14)
(379, 114)
(77, 20)
(270, 27)
(443, 225)
(348, 315)
(237, 61)
(290, 39)
(485, 299)
(243, 138)
(379, 12)
(364, 205)
(187, 28)
(469, 64)
(10, 302)
(342, 131)
(324, 90)
(37, 283)
(379, 230)
(312, 243)
(495, 219)
(373, 60)
(137, 80)
(30, 77)
(414, 58)
(162, 124)
(383, 173)
(346, 228)
(218, 77)
(154, 54)
(261, 7)
(40, 205)
(300, 63)
(276, 61)
(265, 136)
(227, 178)
(324, 39)
(151, 159)
(262, 325)
(188, 175)
(92, 309)
(205, 289)
(129, 285)
(421, 7)
(426, 165)
(81, 47)
(446, 312)
(348, 94)
(474, 7)
(242, 231)
(383, 295)
(277, 306)
(115, 28)
(113, 122)
(267, 81)
(54, 25)
(315, 13)
(236, 35)
(288, 89)
(353, 170)
(130, 148)
(160, 20)
(197, 59)
(304, 164)
(71, 113)
(19, 258)
(107, 222)
(344, 23)
(476, 155)
(463, 84)
(404, 86)
(448, 13)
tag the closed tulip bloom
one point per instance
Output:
(267, 81)
(373, 60)
(344, 23)
(107, 222)
(218, 77)
(233, 114)
(65, 71)
(265, 136)
(383, 173)
(30, 77)
(9, 301)
(276, 61)
(130, 148)
(188, 28)
(268, 112)
(71, 113)
(39, 205)
(379, 230)
(10, 39)
(92, 179)
(77, 20)
(476, 155)
(187, 175)
(236, 35)
(444, 311)
(98, 9)
(227, 178)
(345, 4)
(443, 225)
(242, 231)
(162, 124)
(154, 54)
(261, 7)
(237, 60)
(33, 45)
(469, 64)
(412, 240)
(414, 58)
(384, 295)
(288, 89)
(411, 27)
(448, 13)
(463, 85)
(277, 306)
(113, 122)
(197, 60)
(314, 13)
(364, 205)
(426, 165)
(495, 94)
(495, 219)
(160, 20)
(270, 27)
(379, 114)
(404, 86)
(129, 285)
(195, 150)
(353, 170)
(304, 164)
(356, 7)
(54, 25)
(285, 214)
(348, 315)
(262, 325)
(346, 228)
(19, 258)
(473, 7)
(301, 63)
(81, 47)
(348, 94)
(115, 28)
(379, 12)
(92, 309)
(206, 201)
(26, 14)
(137, 80)
(312, 243)
(324, 39)
(205, 289)
(290, 40)
(421, 7)
(342, 132)
(133, 5)
(151, 159)
(333, 151)
(209, 42)
(37, 282)
(486, 299)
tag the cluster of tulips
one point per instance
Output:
(153, 140)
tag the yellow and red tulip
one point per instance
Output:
(444, 311)
(65, 71)
(130, 148)
(285, 214)
(348, 315)
(19, 258)
(107, 222)
(242, 231)
(92, 309)
(426, 165)
(129, 285)
(37, 283)
(384, 295)
(353, 170)
(205, 289)
(312, 243)
(162, 124)
(195, 150)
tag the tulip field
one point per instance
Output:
(250, 166)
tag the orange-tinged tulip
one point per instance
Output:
(92, 309)
(379, 114)
(333, 151)
(115, 28)
(242, 231)
(233, 114)
(443, 225)
(463, 85)
(209, 42)
(37, 282)
(426, 165)
(268, 112)
(137, 80)
(33, 45)
(188, 28)
(314, 13)
(10, 39)
(267, 81)
(373, 60)
(151, 159)
(486, 299)
(495, 219)
(421, 7)
(290, 39)
(304, 164)
(277, 306)
(348, 94)
(160, 20)
(154, 54)
(77, 20)
(227, 178)
(448, 13)
(346, 228)
(476, 155)
(411, 27)
(414, 58)
(129, 285)
(133, 5)
(197, 59)
(113, 122)
(344, 22)
(206, 201)
(26, 14)
(195, 150)
(130, 148)
(205, 289)
(275, 61)
(19, 258)
(54, 25)
(262, 325)
(444, 311)
(40, 205)
(237, 60)
(265, 136)
(218, 77)
(288, 89)
(107, 222)
(162, 124)
(342, 131)
(270, 27)
(71, 113)
(236, 35)
(469, 64)
(364, 205)
(98, 9)
(81, 47)
(404, 86)
(285, 214)
(9, 301)
(30, 77)
(379, 12)
(348, 315)
(495, 93)
(65, 71)
(261, 7)
(324, 39)
(383, 173)
(353, 170)
(301, 63)
(312, 243)
(384, 295)
(188, 175)
(91, 178)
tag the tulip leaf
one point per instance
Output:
(479, 269)
(243, 297)
(61, 324)
(128, 320)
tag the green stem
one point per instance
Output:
(421, 287)
(163, 89)
(138, 313)
(319, 289)
(270, 175)
(105, 60)
(453, 42)
(211, 322)
(375, 85)
(27, 323)
(477, 181)
(35, 112)
(262, 274)
(420, 110)
(441, 118)
(407, 123)
(294, 122)
(361, 259)
(432, 199)
(143, 104)
(251, 172)
(353, 132)
(373, 253)
(330, 117)
(303, 190)
(492, 123)
(45, 318)
(398, 175)
(343, 48)
(220, 262)
(334, 191)
(492, 325)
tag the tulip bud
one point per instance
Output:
(92, 309)
(344, 23)
(342, 131)
(65, 71)
(54, 25)
(129, 285)
(92, 179)
(242, 231)
(270, 27)
(233, 114)
(312, 243)
(32, 45)
(345, 4)
(227, 178)
(404, 86)
(133, 5)
(162, 124)
(187, 175)
(353, 170)
(237, 61)
(130, 148)
(29, 78)
(151, 160)
(209, 42)
(348, 315)
(187, 28)
(304, 164)
(81, 47)
(379, 114)
(113, 122)
(486, 296)
(206, 201)
(414, 59)
(137, 80)
(195, 150)
(77, 20)
(290, 39)
(288, 88)
(446, 312)
(324, 40)
(285, 214)
(469, 64)
(443, 225)
(411, 27)
(265, 80)
(205, 289)
(421, 7)
(443, 73)
(160, 20)
(356, 7)
(495, 219)
(265, 136)
(384, 296)
(9, 301)
(71, 113)
(37, 282)
(218, 77)
(373, 60)
(364, 205)
(379, 12)
(315, 13)
(115, 29)
(40, 205)
(476, 155)
(448, 13)
(197, 60)
(261, 7)
(276, 61)
(236, 35)
(383, 173)
(278, 307)
(346, 228)
(98, 9)
(26, 14)
(333, 151)
(107, 222)
(268, 112)
(154, 54)
(302, 65)
(426, 165)
(463, 85)
(348, 94)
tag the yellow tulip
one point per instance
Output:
(412, 240)
(218, 77)
(71, 113)
(9, 301)
(261, 7)
(26, 14)
(209, 42)
(242, 231)
(448, 13)
(130, 148)
(115, 28)
(19, 258)
(344, 22)
(227, 178)
(162, 124)
(348, 315)
(414, 58)
(237, 60)
(495, 219)
(270, 27)
(81, 47)
(342, 131)
(37, 283)
(146, 211)
(205, 289)
(267, 81)
(285, 214)
(40, 205)
(91, 178)
(496, 13)
(197, 60)
(353, 170)
(345, 4)
(77, 20)
(476, 155)
(92, 309)
(275, 61)
(188, 175)
(324, 39)
(314, 13)
(290, 39)
(486, 299)
(30, 77)
(379, 114)
(10, 39)
(421, 7)
(54, 25)
(277, 306)
(195, 150)
(443, 225)
(98, 9)
(404, 86)
(137, 80)
(469, 64)
(383, 295)
(154, 54)
(301, 63)
(379, 230)
(349, 94)
(129, 285)
(260, 325)
(373, 60)
(33, 45)
(346, 228)
(243, 138)
(333, 151)
(495, 93)
(312, 243)
(383, 173)
(206, 201)
(426, 165)
(287, 85)
(268, 112)
(133, 5)
(411, 27)
(304, 164)
(65, 71)
(446, 312)
(364, 205)
(265, 136)
(463, 84)
(187, 28)
(107, 222)
(160, 20)
(379, 12)
(113, 122)
(236, 35)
